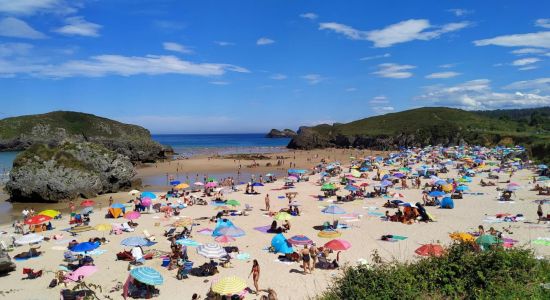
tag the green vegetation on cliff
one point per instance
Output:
(460, 273)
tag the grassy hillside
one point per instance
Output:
(74, 123)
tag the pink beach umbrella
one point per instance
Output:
(338, 244)
(132, 215)
(198, 183)
(80, 273)
(146, 201)
(224, 239)
(211, 184)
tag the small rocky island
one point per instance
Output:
(69, 154)
(285, 133)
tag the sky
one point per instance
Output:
(237, 66)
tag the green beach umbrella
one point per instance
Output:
(233, 202)
(487, 240)
(328, 187)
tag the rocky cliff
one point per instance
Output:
(45, 173)
(20, 133)
(285, 133)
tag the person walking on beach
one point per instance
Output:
(267, 206)
(540, 212)
(305, 259)
(110, 201)
(255, 272)
(313, 251)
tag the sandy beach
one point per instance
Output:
(365, 229)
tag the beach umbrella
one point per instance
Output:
(134, 241)
(29, 239)
(282, 216)
(181, 186)
(364, 184)
(485, 241)
(50, 213)
(103, 227)
(87, 203)
(299, 240)
(292, 178)
(355, 173)
(436, 194)
(211, 179)
(232, 202)
(147, 275)
(38, 219)
(232, 231)
(224, 239)
(257, 184)
(80, 273)
(334, 210)
(211, 184)
(175, 182)
(133, 192)
(447, 188)
(84, 247)
(385, 183)
(440, 182)
(398, 195)
(462, 237)
(229, 286)
(462, 188)
(430, 250)
(148, 195)
(328, 187)
(350, 188)
(338, 244)
(132, 215)
(211, 250)
(329, 234)
(146, 201)
(87, 210)
(399, 175)
(118, 205)
(198, 183)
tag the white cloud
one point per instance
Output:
(440, 75)
(309, 15)
(478, 94)
(383, 109)
(528, 51)
(313, 78)
(536, 39)
(79, 26)
(278, 76)
(390, 70)
(405, 31)
(525, 61)
(351, 89)
(379, 100)
(385, 55)
(219, 82)
(171, 46)
(459, 12)
(527, 68)
(29, 7)
(108, 65)
(447, 66)
(13, 27)
(544, 23)
(533, 86)
(222, 43)
(264, 41)
(14, 49)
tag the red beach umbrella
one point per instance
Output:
(430, 250)
(338, 245)
(87, 203)
(38, 219)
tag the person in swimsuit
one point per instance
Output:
(255, 272)
(305, 259)
(313, 251)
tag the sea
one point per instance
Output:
(188, 145)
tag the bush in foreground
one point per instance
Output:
(461, 273)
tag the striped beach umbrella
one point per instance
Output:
(147, 275)
(229, 285)
(299, 240)
(211, 250)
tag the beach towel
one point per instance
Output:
(263, 229)
(243, 256)
(96, 252)
(375, 214)
(542, 241)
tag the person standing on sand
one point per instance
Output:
(313, 251)
(305, 259)
(255, 272)
(267, 206)
(111, 201)
(540, 212)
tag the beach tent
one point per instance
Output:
(447, 202)
(280, 244)
(115, 212)
(222, 223)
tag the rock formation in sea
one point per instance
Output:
(53, 173)
(285, 133)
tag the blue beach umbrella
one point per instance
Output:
(386, 183)
(118, 205)
(148, 195)
(147, 275)
(84, 247)
(175, 182)
(350, 188)
(436, 194)
(334, 210)
(87, 210)
(462, 188)
(257, 184)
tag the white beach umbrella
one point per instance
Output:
(211, 250)
(29, 239)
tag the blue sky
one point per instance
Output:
(248, 66)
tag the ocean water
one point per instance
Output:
(194, 144)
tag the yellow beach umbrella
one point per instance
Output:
(447, 187)
(462, 236)
(282, 216)
(103, 227)
(50, 213)
(181, 186)
(355, 173)
(329, 234)
(229, 285)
